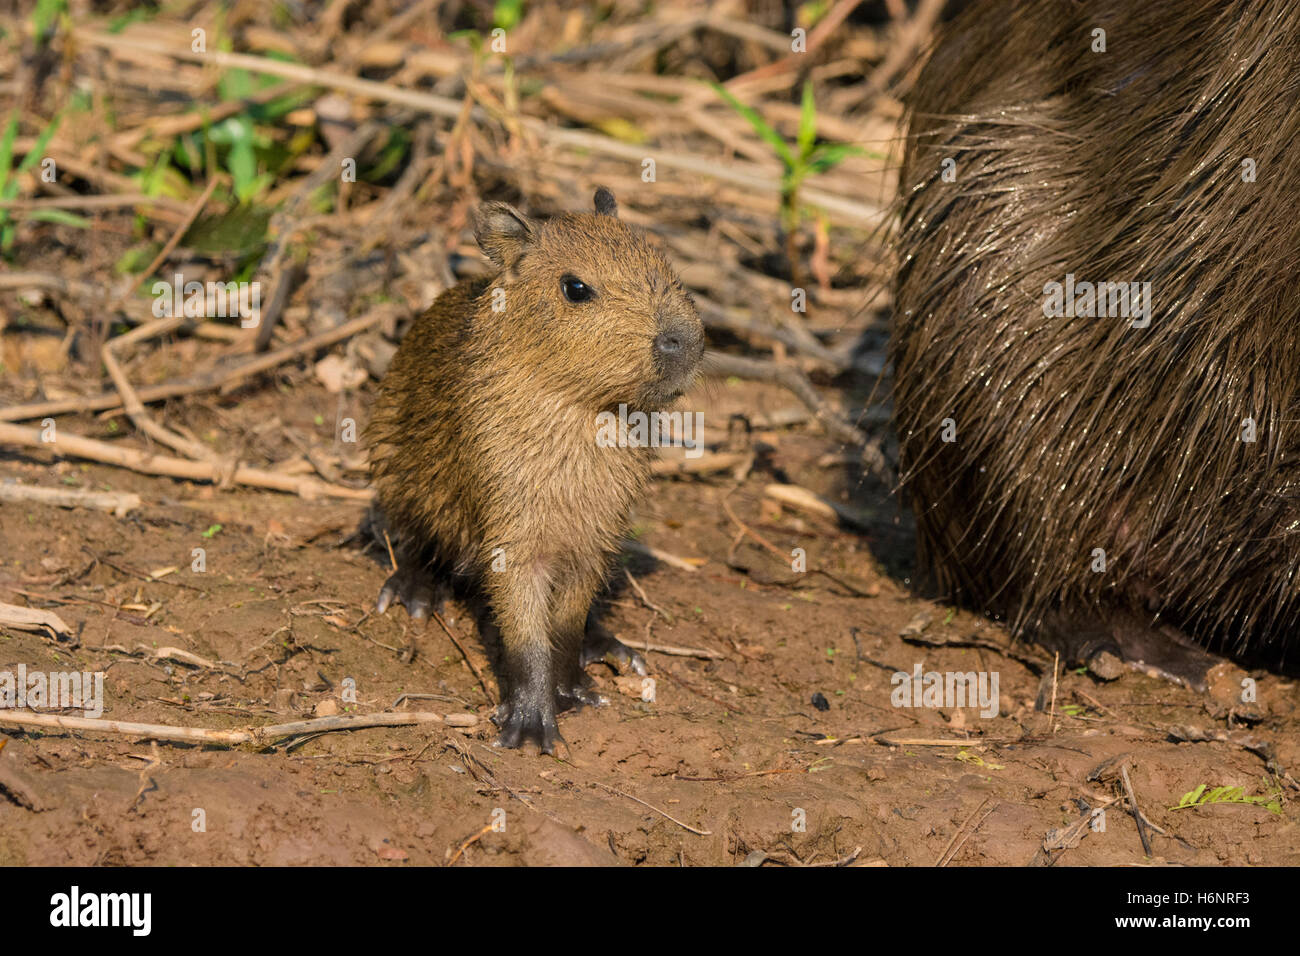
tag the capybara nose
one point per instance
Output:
(680, 345)
(670, 344)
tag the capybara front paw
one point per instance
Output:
(521, 721)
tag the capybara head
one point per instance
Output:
(590, 305)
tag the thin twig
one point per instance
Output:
(636, 586)
(787, 376)
(1138, 818)
(666, 816)
(945, 858)
(252, 735)
(465, 654)
(166, 250)
(466, 845)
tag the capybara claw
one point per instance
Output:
(415, 590)
(520, 724)
(580, 695)
(600, 645)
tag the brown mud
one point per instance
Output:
(728, 757)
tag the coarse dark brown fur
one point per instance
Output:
(483, 438)
(1076, 434)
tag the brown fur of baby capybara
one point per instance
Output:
(483, 437)
(1075, 434)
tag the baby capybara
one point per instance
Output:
(484, 438)
(1097, 338)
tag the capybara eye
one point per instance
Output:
(575, 290)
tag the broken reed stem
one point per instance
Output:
(252, 735)
(150, 463)
(1138, 818)
(747, 176)
(131, 401)
(120, 503)
(212, 379)
(116, 201)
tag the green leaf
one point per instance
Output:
(242, 164)
(37, 152)
(507, 13)
(765, 132)
(60, 216)
(119, 23)
(390, 156)
(136, 258)
(829, 155)
(473, 37)
(1236, 795)
(272, 110)
(7, 155)
(43, 17)
(239, 231)
(235, 84)
(186, 152)
(807, 122)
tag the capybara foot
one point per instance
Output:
(522, 720)
(1119, 641)
(413, 588)
(1083, 640)
(598, 644)
(1164, 651)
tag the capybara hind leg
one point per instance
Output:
(527, 710)
(599, 644)
(416, 588)
(573, 620)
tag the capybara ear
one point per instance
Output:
(502, 232)
(606, 205)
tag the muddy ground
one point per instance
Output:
(785, 743)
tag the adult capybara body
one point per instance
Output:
(484, 438)
(1107, 459)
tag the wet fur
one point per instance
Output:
(1075, 434)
